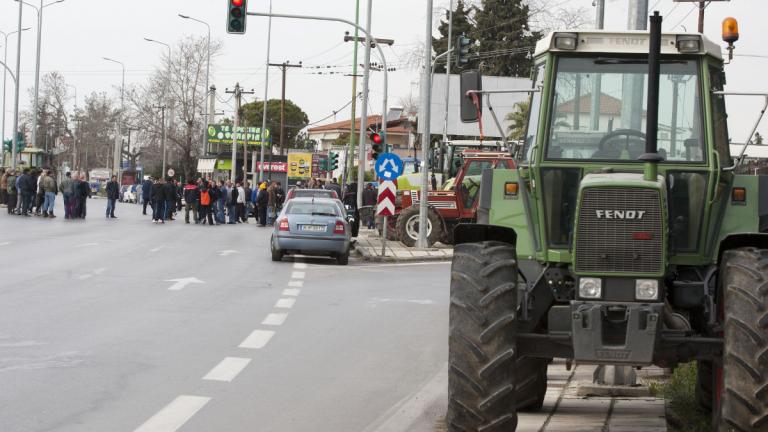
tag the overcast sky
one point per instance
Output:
(78, 33)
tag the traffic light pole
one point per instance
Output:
(2, 138)
(366, 74)
(426, 108)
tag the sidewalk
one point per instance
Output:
(368, 247)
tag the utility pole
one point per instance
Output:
(162, 109)
(632, 87)
(349, 163)
(447, 82)
(426, 107)
(283, 67)
(238, 92)
(364, 106)
(211, 116)
(702, 6)
(16, 101)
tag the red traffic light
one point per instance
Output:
(376, 138)
(237, 2)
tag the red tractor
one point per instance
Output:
(455, 203)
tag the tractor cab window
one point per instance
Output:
(600, 109)
(533, 113)
(469, 188)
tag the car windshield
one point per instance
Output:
(312, 208)
(600, 108)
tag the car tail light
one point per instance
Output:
(284, 225)
(334, 194)
(339, 229)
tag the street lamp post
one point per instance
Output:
(6, 35)
(16, 93)
(37, 62)
(74, 135)
(165, 95)
(207, 82)
(118, 135)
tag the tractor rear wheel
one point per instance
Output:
(482, 352)
(741, 386)
(531, 385)
(391, 227)
(705, 379)
(408, 227)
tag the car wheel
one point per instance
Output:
(343, 259)
(277, 254)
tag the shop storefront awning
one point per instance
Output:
(206, 165)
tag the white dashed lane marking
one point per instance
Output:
(174, 415)
(299, 265)
(293, 292)
(5, 243)
(258, 339)
(285, 303)
(228, 369)
(275, 319)
(296, 283)
(298, 275)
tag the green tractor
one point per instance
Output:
(622, 237)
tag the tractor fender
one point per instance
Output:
(471, 233)
(734, 241)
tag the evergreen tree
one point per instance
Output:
(461, 25)
(504, 35)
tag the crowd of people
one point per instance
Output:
(211, 202)
(32, 192)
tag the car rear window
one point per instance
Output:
(307, 193)
(308, 208)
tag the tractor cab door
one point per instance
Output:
(468, 185)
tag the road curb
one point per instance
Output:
(365, 255)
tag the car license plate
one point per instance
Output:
(313, 228)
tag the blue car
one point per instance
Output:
(312, 226)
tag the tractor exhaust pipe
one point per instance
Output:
(651, 156)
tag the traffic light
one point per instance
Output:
(378, 143)
(333, 161)
(462, 50)
(236, 15)
(322, 164)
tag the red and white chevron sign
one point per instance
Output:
(387, 193)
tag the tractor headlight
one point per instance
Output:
(688, 44)
(566, 41)
(646, 289)
(591, 288)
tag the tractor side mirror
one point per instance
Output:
(471, 80)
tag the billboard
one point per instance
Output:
(299, 166)
(223, 134)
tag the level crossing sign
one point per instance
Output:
(386, 202)
(389, 166)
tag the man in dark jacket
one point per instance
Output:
(84, 192)
(11, 191)
(146, 194)
(28, 189)
(67, 191)
(113, 194)
(158, 201)
(191, 201)
(370, 199)
(169, 192)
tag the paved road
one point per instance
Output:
(123, 325)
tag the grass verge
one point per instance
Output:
(683, 411)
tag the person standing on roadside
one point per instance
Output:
(113, 193)
(263, 202)
(28, 188)
(206, 199)
(66, 192)
(146, 194)
(240, 202)
(231, 202)
(3, 186)
(169, 193)
(11, 191)
(84, 192)
(158, 202)
(249, 205)
(192, 196)
(370, 199)
(221, 202)
(50, 190)
(271, 203)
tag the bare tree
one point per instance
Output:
(52, 117)
(179, 85)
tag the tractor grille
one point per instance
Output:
(608, 242)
